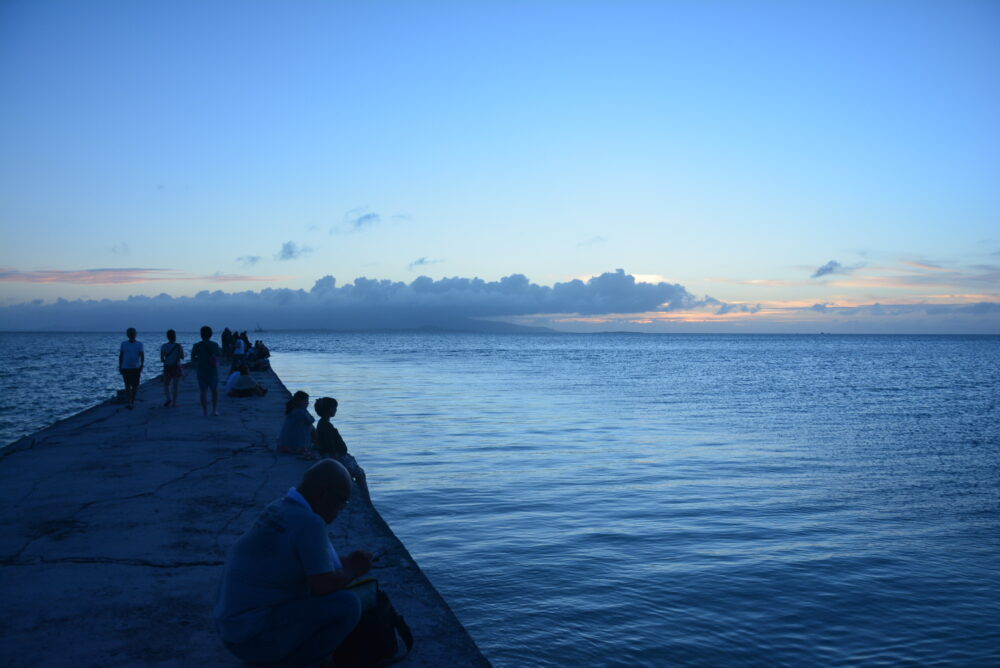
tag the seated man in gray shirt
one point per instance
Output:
(282, 600)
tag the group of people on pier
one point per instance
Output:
(286, 598)
(206, 357)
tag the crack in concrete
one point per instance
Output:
(262, 442)
(85, 506)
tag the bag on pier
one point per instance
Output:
(374, 642)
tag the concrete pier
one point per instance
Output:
(114, 525)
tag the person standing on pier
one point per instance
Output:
(205, 354)
(131, 359)
(283, 599)
(171, 354)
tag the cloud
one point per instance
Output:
(366, 303)
(249, 260)
(593, 241)
(738, 308)
(927, 266)
(361, 219)
(120, 249)
(117, 276)
(422, 262)
(831, 267)
(292, 251)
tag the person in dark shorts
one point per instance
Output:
(131, 359)
(205, 355)
(329, 443)
(171, 354)
(284, 598)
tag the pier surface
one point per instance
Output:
(114, 525)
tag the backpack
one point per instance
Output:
(374, 641)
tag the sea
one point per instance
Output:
(654, 500)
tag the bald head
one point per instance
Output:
(326, 485)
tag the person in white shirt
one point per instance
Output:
(242, 384)
(131, 360)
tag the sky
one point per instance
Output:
(712, 166)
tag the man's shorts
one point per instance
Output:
(207, 381)
(171, 370)
(131, 376)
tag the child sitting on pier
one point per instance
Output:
(329, 443)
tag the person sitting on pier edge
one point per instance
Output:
(205, 354)
(283, 599)
(242, 384)
(297, 433)
(329, 443)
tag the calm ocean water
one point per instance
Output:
(621, 500)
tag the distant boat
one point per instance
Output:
(258, 328)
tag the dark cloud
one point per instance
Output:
(422, 262)
(831, 267)
(249, 260)
(366, 303)
(291, 251)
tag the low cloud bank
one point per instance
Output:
(363, 304)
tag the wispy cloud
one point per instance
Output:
(120, 249)
(831, 267)
(125, 275)
(928, 266)
(762, 282)
(422, 262)
(249, 260)
(593, 241)
(292, 251)
(362, 219)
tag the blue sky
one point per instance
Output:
(731, 148)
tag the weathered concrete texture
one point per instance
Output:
(114, 526)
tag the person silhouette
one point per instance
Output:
(205, 354)
(171, 354)
(131, 360)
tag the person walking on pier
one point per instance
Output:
(171, 354)
(283, 599)
(205, 354)
(131, 360)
